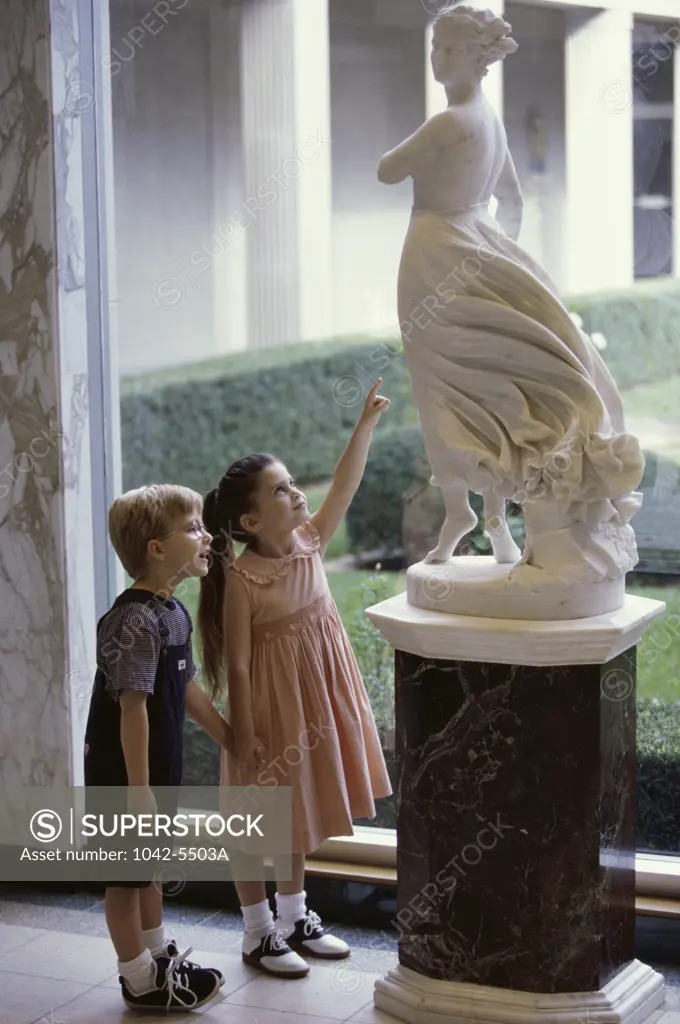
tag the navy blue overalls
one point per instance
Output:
(166, 708)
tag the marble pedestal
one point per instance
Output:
(516, 818)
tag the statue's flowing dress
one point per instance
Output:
(512, 396)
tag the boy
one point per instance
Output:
(143, 687)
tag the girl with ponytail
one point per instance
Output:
(272, 637)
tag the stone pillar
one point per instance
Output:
(229, 268)
(286, 211)
(599, 251)
(516, 818)
(47, 588)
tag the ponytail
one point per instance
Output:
(222, 511)
(211, 598)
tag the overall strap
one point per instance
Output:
(163, 628)
(186, 614)
(132, 597)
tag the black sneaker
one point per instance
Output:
(178, 989)
(172, 951)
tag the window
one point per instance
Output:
(653, 64)
(257, 255)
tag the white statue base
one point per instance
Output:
(478, 585)
(436, 634)
(632, 997)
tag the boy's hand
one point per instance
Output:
(374, 406)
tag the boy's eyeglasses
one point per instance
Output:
(195, 526)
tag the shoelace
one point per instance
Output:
(312, 922)
(275, 942)
(176, 980)
(189, 964)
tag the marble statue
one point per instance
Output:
(515, 401)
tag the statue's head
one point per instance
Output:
(466, 41)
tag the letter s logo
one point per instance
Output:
(45, 826)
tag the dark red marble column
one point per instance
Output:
(516, 822)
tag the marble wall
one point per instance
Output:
(47, 604)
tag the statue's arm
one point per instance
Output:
(405, 158)
(510, 202)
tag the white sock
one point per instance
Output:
(291, 907)
(140, 973)
(154, 940)
(258, 919)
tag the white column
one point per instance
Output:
(47, 590)
(286, 213)
(229, 270)
(599, 250)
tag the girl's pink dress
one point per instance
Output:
(310, 705)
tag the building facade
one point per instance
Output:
(246, 137)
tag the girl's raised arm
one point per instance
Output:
(350, 467)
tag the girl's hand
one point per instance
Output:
(250, 752)
(374, 406)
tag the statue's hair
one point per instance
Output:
(482, 30)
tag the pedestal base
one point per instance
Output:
(515, 744)
(437, 634)
(478, 585)
(629, 998)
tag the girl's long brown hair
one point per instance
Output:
(222, 511)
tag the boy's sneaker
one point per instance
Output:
(308, 936)
(172, 951)
(273, 955)
(177, 989)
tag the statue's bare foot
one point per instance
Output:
(505, 551)
(452, 532)
(438, 555)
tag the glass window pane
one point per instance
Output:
(257, 256)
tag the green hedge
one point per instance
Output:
(188, 423)
(641, 326)
(300, 402)
(658, 775)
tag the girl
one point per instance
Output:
(268, 621)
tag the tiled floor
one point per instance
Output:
(57, 967)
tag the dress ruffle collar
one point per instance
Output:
(263, 570)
